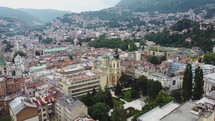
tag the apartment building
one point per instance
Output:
(69, 108)
(80, 83)
(22, 110)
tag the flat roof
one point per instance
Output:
(159, 112)
(55, 49)
(182, 113)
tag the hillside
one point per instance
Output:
(23, 16)
(46, 15)
(164, 5)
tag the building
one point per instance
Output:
(4, 70)
(31, 87)
(39, 108)
(69, 108)
(159, 112)
(21, 110)
(111, 70)
(209, 83)
(84, 118)
(8, 86)
(2, 87)
(202, 110)
(81, 83)
(54, 51)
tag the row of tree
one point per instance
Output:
(188, 90)
(141, 86)
(113, 43)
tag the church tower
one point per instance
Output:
(116, 68)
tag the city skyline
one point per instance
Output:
(67, 5)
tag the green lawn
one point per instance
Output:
(5, 118)
(117, 102)
(126, 95)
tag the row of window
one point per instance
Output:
(83, 85)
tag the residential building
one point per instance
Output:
(31, 87)
(209, 83)
(81, 83)
(69, 108)
(2, 87)
(22, 110)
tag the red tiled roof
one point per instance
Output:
(34, 84)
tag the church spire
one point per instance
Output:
(116, 54)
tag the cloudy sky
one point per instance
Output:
(70, 5)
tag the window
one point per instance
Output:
(44, 109)
(44, 115)
(44, 120)
(173, 82)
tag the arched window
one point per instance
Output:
(0, 72)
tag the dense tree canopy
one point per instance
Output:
(113, 43)
(47, 40)
(200, 38)
(99, 111)
(209, 58)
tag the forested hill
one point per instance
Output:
(164, 5)
(186, 33)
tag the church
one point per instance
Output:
(110, 68)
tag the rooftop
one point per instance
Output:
(55, 49)
(69, 102)
(159, 112)
(182, 113)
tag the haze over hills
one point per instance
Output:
(28, 19)
(46, 15)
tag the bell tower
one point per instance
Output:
(116, 68)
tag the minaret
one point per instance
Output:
(116, 68)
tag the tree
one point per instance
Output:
(135, 89)
(209, 58)
(153, 88)
(153, 60)
(142, 82)
(47, 40)
(163, 98)
(70, 57)
(99, 96)
(118, 114)
(118, 90)
(99, 111)
(198, 84)
(37, 53)
(187, 83)
(125, 80)
(108, 98)
(176, 94)
(93, 92)
(135, 94)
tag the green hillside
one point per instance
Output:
(23, 16)
(164, 5)
(46, 15)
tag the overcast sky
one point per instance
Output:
(69, 5)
